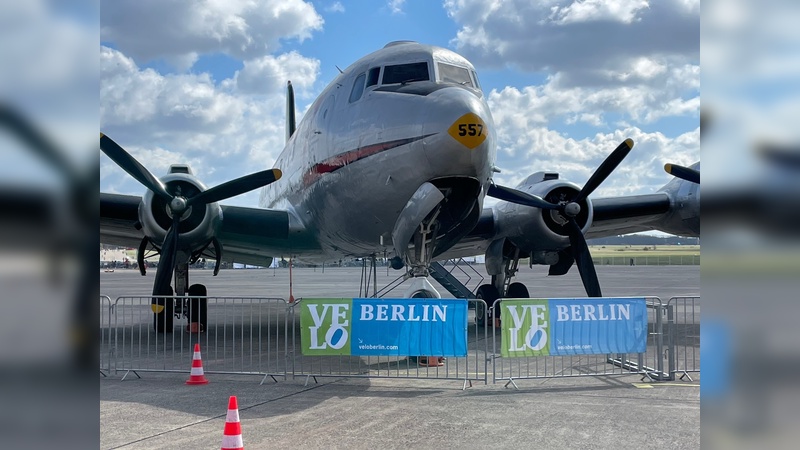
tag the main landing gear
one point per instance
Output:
(501, 287)
(193, 307)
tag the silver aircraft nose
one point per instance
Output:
(461, 135)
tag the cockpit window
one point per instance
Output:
(454, 74)
(405, 73)
(358, 88)
(372, 76)
(475, 77)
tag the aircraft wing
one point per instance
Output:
(248, 235)
(630, 214)
(664, 211)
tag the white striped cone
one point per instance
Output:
(197, 376)
(232, 435)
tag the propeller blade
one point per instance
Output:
(166, 264)
(521, 198)
(605, 169)
(583, 259)
(565, 262)
(36, 141)
(129, 164)
(235, 187)
(684, 173)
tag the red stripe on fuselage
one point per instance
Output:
(335, 163)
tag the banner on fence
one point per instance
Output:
(383, 327)
(585, 326)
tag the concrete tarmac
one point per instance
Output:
(160, 411)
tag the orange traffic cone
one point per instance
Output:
(197, 376)
(232, 435)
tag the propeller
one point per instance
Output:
(569, 210)
(684, 173)
(178, 204)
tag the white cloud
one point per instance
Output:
(220, 129)
(49, 72)
(268, 74)
(537, 149)
(396, 6)
(178, 31)
(607, 64)
(552, 102)
(167, 103)
(624, 11)
(335, 7)
(588, 43)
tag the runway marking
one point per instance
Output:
(430, 369)
(650, 386)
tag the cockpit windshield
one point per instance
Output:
(405, 73)
(449, 73)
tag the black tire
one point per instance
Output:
(162, 321)
(423, 294)
(198, 308)
(517, 290)
(488, 294)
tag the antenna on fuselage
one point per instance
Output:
(291, 124)
(337, 68)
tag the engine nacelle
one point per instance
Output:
(684, 219)
(533, 229)
(198, 224)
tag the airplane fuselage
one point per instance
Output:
(395, 119)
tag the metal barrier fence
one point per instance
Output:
(649, 364)
(471, 368)
(647, 260)
(683, 320)
(243, 335)
(261, 336)
(106, 330)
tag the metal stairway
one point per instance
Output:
(449, 281)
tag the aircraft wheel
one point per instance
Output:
(517, 290)
(164, 310)
(489, 294)
(198, 308)
(422, 294)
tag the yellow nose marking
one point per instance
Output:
(469, 130)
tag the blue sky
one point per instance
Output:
(566, 80)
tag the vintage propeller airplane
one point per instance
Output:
(394, 158)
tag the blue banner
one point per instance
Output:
(384, 327)
(585, 326)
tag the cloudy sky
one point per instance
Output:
(566, 80)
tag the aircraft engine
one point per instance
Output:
(535, 229)
(564, 214)
(177, 212)
(198, 224)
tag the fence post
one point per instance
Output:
(660, 339)
(671, 339)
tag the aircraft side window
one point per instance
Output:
(358, 88)
(372, 77)
(405, 73)
(454, 74)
